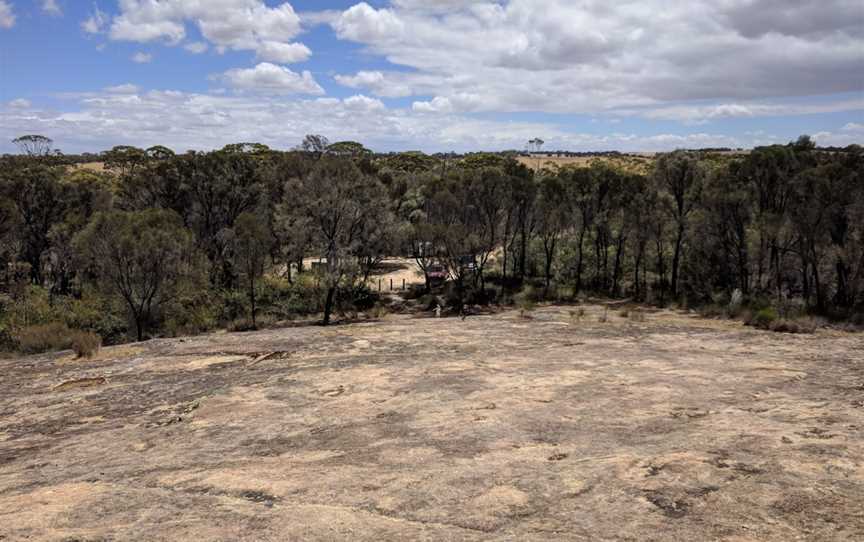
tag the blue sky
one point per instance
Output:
(436, 76)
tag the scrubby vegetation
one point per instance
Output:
(165, 244)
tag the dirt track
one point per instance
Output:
(497, 427)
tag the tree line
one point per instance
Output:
(160, 242)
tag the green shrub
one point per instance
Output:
(764, 318)
(97, 313)
(85, 343)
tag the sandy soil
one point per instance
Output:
(495, 428)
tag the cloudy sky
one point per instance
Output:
(432, 75)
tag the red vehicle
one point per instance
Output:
(437, 274)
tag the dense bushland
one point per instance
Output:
(165, 244)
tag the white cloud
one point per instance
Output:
(283, 53)
(196, 47)
(364, 23)
(51, 8)
(7, 16)
(95, 24)
(363, 103)
(249, 25)
(19, 103)
(700, 114)
(179, 120)
(437, 105)
(142, 58)
(269, 78)
(853, 127)
(585, 57)
(127, 88)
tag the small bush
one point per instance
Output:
(637, 316)
(797, 325)
(525, 300)
(624, 313)
(86, 343)
(577, 314)
(379, 312)
(44, 338)
(764, 318)
(605, 316)
(735, 303)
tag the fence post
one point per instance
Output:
(391, 285)
(403, 285)
(379, 285)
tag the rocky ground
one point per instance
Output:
(499, 427)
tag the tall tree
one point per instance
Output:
(682, 176)
(141, 256)
(339, 205)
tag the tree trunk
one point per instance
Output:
(676, 260)
(579, 263)
(328, 304)
(616, 270)
(522, 253)
(252, 301)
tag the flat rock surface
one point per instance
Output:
(499, 427)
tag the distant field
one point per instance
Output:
(91, 166)
(638, 164)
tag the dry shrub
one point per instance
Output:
(44, 338)
(85, 343)
(57, 336)
(637, 316)
(577, 314)
(379, 312)
(605, 317)
(624, 313)
(796, 325)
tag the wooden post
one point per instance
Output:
(403, 285)
(379, 285)
(391, 285)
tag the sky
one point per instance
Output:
(446, 75)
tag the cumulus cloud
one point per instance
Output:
(95, 23)
(283, 53)
(19, 103)
(269, 78)
(51, 8)
(7, 16)
(363, 103)
(179, 120)
(436, 105)
(142, 58)
(236, 24)
(196, 47)
(585, 57)
(699, 114)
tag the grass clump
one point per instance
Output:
(42, 338)
(637, 316)
(526, 301)
(86, 344)
(605, 316)
(54, 336)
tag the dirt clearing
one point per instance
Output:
(498, 427)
